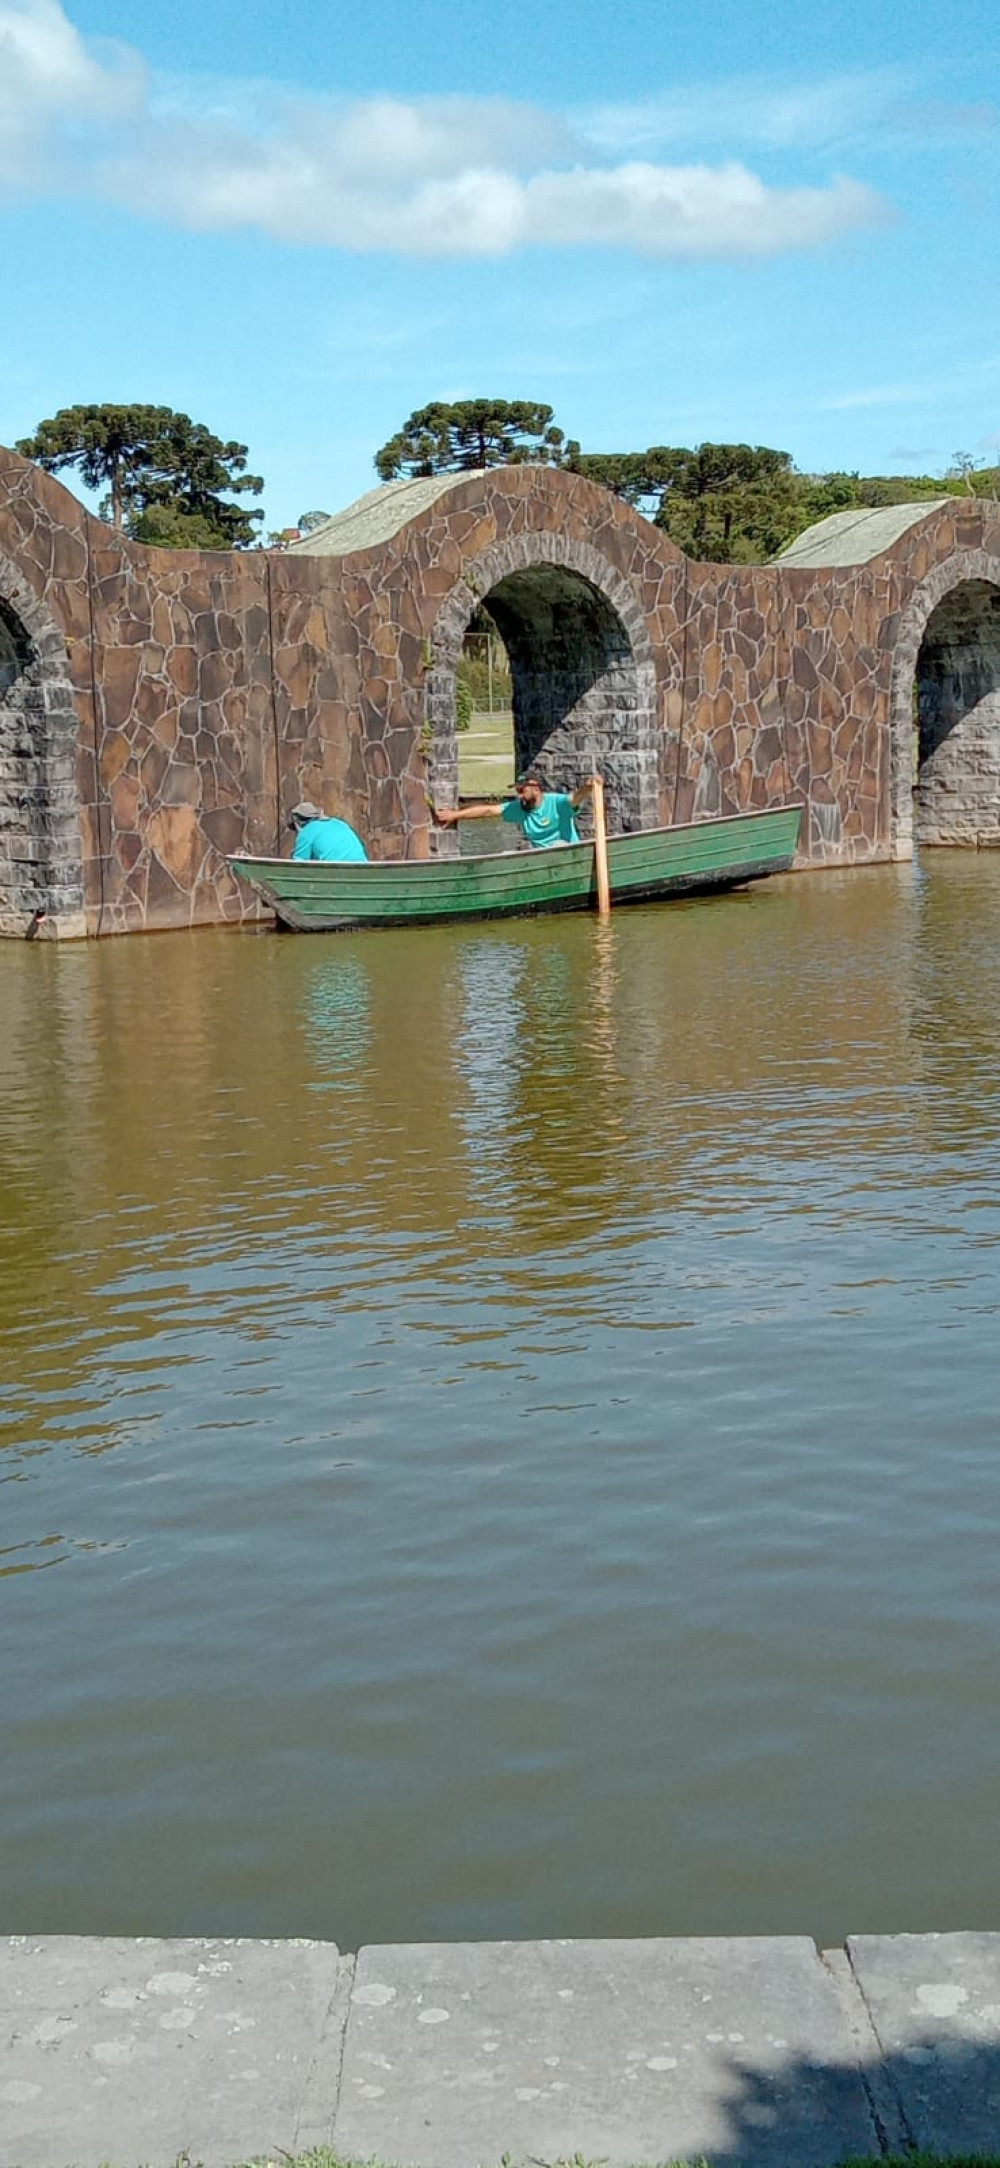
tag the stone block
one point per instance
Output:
(934, 2001)
(738, 2051)
(143, 2051)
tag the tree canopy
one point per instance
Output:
(460, 436)
(168, 478)
(731, 502)
(727, 503)
(743, 503)
(110, 445)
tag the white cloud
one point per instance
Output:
(303, 187)
(879, 106)
(692, 211)
(50, 75)
(390, 141)
(751, 111)
(435, 177)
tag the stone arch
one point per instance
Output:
(584, 676)
(948, 646)
(41, 868)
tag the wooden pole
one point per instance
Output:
(601, 851)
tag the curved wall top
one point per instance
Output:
(554, 495)
(18, 474)
(855, 536)
(845, 541)
(375, 517)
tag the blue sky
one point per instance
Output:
(721, 219)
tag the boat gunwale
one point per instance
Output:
(481, 858)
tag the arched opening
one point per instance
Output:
(41, 874)
(582, 676)
(944, 748)
(957, 719)
(484, 711)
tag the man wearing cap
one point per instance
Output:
(544, 817)
(318, 837)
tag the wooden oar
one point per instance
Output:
(601, 850)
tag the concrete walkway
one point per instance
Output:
(758, 2052)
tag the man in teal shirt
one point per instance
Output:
(544, 817)
(317, 837)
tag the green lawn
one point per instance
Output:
(486, 756)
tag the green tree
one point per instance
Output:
(963, 467)
(154, 462)
(189, 471)
(472, 433)
(639, 478)
(309, 521)
(109, 444)
(484, 665)
(164, 527)
(742, 503)
(731, 503)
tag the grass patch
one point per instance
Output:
(486, 756)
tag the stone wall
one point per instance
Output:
(158, 751)
(160, 709)
(184, 730)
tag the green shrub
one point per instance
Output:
(463, 704)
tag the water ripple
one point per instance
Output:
(515, 1414)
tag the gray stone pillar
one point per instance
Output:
(41, 871)
(958, 719)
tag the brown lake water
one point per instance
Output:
(499, 1429)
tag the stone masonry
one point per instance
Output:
(162, 709)
(745, 2053)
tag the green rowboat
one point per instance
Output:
(655, 863)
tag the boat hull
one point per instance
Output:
(654, 864)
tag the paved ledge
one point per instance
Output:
(134, 2052)
(758, 2052)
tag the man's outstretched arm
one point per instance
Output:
(448, 815)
